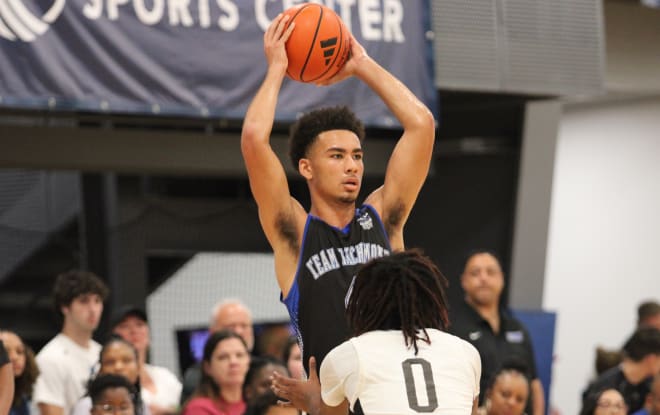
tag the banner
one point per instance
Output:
(201, 58)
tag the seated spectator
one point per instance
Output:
(161, 390)
(266, 404)
(652, 404)
(228, 314)
(6, 381)
(508, 390)
(25, 371)
(293, 359)
(648, 315)
(117, 357)
(111, 394)
(224, 366)
(257, 381)
(632, 378)
(604, 402)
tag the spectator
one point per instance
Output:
(160, 388)
(224, 366)
(228, 314)
(266, 404)
(400, 360)
(111, 394)
(6, 381)
(25, 371)
(648, 315)
(67, 361)
(257, 380)
(293, 359)
(232, 314)
(495, 333)
(604, 402)
(508, 390)
(652, 404)
(633, 377)
(117, 357)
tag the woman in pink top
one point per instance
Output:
(225, 363)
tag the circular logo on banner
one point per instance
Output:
(17, 22)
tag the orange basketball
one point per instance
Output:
(319, 44)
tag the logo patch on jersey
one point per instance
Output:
(514, 336)
(475, 335)
(365, 221)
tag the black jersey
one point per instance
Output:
(329, 260)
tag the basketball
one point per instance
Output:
(319, 44)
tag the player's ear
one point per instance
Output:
(305, 168)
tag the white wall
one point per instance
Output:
(186, 299)
(604, 238)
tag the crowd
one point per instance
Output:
(74, 375)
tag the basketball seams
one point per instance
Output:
(339, 48)
(308, 61)
(309, 53)
(302, 7)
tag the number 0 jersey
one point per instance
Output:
(328, 261)
(387, 377)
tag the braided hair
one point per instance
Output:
(404, 291)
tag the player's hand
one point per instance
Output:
(356, 57)
(304, 395)
(275, 40)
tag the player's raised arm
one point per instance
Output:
(267, 176)
(410, 160)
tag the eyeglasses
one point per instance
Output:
(111, 409)
(619, 406)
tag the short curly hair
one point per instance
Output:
(308, 127)
(72, 284)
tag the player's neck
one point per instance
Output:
(337, 215)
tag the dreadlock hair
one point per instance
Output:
(404, 291)
(305, 131)
(137, 387)
(103, 382)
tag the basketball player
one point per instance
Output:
(401, 361)
(316, 253)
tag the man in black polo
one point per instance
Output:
(492, 330)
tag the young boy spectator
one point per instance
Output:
(66, 362)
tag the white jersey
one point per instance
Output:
(64, 369)
(388, 378)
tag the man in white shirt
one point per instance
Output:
(400, 360)
(67, 361)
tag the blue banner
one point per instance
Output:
(191, 57)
